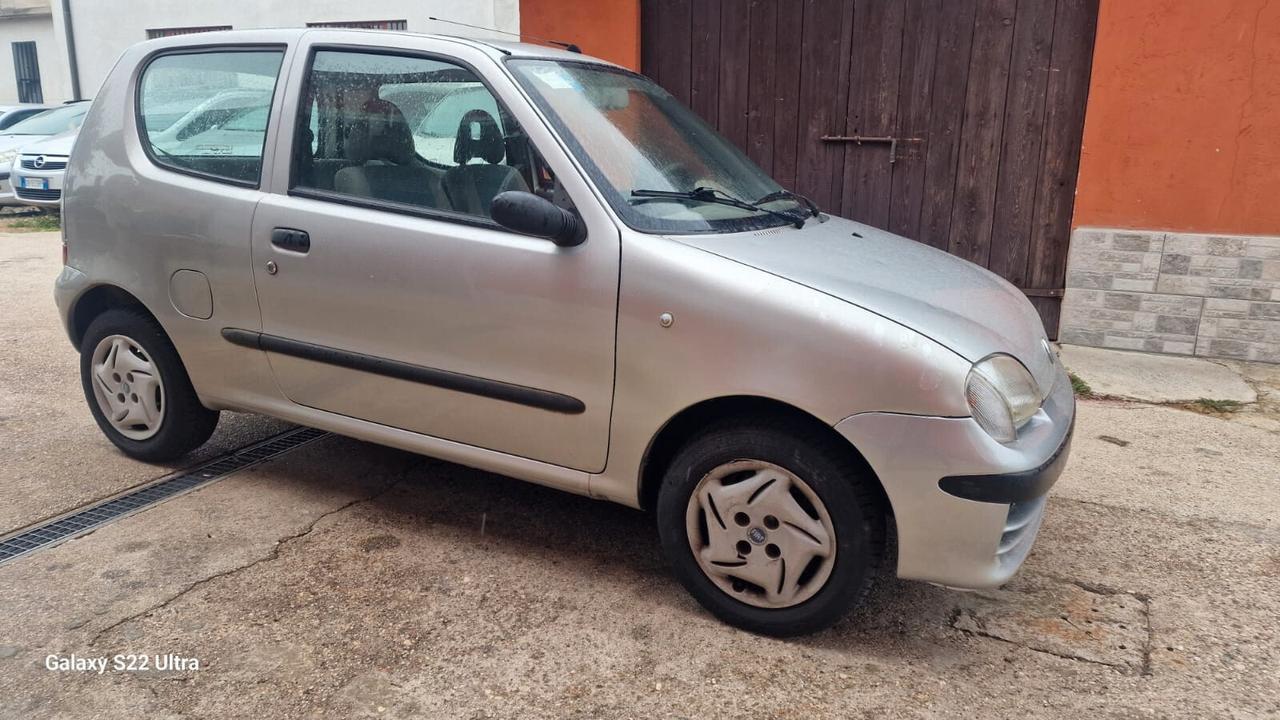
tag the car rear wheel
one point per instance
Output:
(772, 529)
(138, 390)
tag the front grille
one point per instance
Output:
(1020, 527)
(34, 194)
(29, 162)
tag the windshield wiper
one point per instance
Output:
(711, 195)
(785, 194)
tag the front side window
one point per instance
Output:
(207, 112)
(410, 131)
(633, 136)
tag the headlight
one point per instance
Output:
(7, 158)
(1002, 396)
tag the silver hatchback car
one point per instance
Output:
(540, 264)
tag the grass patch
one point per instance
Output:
(1080, 387)
(43, 222)
(1219, 407)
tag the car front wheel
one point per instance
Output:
(771, 528)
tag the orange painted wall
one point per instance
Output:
(608, 29)
(1182, 130)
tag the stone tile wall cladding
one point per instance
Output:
(1208, 295)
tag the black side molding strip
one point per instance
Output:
(1011, 487)
(496, 389)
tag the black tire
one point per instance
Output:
(185, 425)
(853, 503)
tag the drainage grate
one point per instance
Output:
(78, 522)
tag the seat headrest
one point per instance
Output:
(479, 137)
(380, 132)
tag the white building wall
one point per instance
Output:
(103, 29)
(50, 54)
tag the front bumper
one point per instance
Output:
(967, 508)
(1011, 487)
(41, 188)
(7, 198)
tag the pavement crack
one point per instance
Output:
(1095, 588)
(1261, 391)
(979, 632)
(1149, 636)
(1147, 669)
(271, 556)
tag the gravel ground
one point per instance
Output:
(350, 580)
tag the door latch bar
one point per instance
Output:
(892, 142)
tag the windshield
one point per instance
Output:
(632, 135)
(249, 120)
(51, 122)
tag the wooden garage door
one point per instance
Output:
(953, 122)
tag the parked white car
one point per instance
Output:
(29, 131)
(37, 172)
(230, 123)
(11, 115)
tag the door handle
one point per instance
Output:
(289, 239)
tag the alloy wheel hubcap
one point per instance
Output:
(128, 387)
(761, 534)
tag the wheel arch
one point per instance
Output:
(685, 424)
(97, 300)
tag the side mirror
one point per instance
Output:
(529, 214)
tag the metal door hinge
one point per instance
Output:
(1043, 292)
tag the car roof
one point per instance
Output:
(530, 50)
(494, 48)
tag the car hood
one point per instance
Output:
(17, 142)
(52, 145)
(958, 304)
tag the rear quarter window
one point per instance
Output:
(207, 112)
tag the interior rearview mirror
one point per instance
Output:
(610, 98)
(529, 214)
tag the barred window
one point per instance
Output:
(364, 24)
(154, 33)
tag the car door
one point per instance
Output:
(384, 299)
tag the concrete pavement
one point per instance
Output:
(52, 457)
(1156, 378)
(350, 580)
